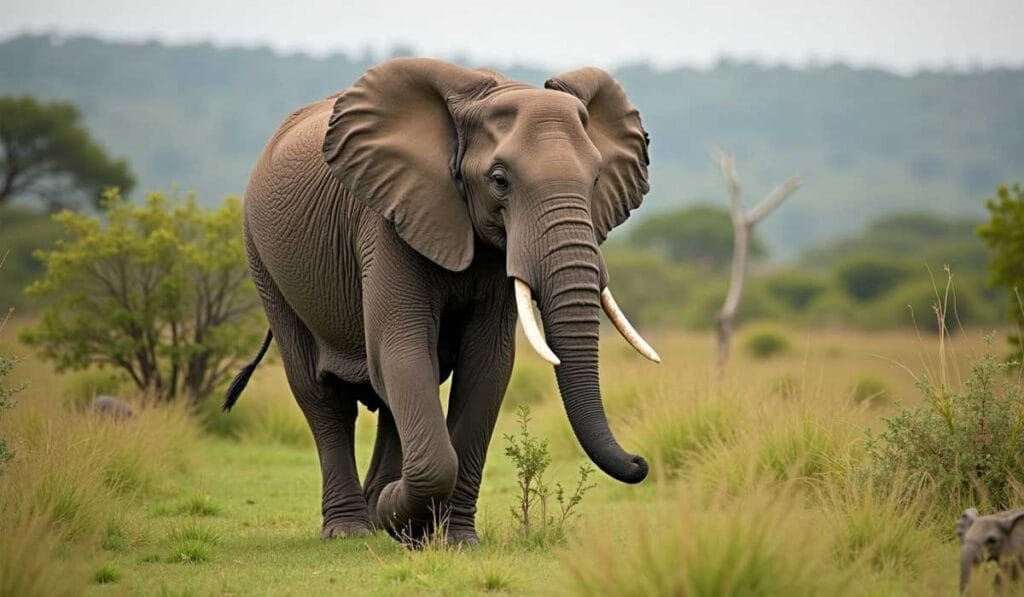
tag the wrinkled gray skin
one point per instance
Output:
(383, 227)
(995, 537)
(108, 406)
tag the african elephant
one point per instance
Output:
(995, 537)
(395, 230)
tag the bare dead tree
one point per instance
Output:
(743, 223)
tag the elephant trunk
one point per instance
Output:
(567, 282)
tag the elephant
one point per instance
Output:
(396, 230)
(996, 537)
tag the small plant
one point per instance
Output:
(968, 441)
(198, 505)
(766, 343)
(192, 544)
(531, 458)
(107, 574)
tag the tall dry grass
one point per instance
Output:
(67, 493)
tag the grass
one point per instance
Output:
(756, 488)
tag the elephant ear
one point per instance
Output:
(965, 522)
(393, 143)
(1011, 520)
(614, 127)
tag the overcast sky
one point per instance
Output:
(897, 34)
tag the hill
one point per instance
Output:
(868, 142)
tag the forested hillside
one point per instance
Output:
(867, 142)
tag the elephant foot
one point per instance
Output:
(346, 528)
(463, 537)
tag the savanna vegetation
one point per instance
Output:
(820, 461)
(869, 400)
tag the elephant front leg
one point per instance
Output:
(480, 379)
(410, 507)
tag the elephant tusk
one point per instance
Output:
(625, 328)
(524, 304)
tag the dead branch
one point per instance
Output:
(743, 224)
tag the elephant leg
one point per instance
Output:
(481, 377)
(329, 407)
(386, 463)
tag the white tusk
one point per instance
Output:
(625, 328)
(524, 304)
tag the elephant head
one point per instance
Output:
(996, 537)
(453, 157)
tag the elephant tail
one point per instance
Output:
(239, 382)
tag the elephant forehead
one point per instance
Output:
(535, 107)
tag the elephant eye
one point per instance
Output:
(499, 178)
(991, 540)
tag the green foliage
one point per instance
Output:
(23, 231)
(647, 286)
(765, 342)
(1004, 235)
(159, 291)
(85, 386)
(795, 289)
(968, 441)
(7, 392)
(531, 458)
(865, 278)
(699, 235)
(107, 574)
(47, 155)
(920, 148)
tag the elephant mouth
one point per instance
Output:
(534, 335)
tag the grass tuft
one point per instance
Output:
(107, 574)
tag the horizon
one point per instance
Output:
(58, 38)
(954, 35)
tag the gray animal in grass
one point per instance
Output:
(995, 537)
(108, 406)
(394, 232)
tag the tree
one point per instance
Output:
(1004, 235)
(159, 291)
(46, 154)
(699, 235)
(743, 223)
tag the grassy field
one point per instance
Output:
(757, 486)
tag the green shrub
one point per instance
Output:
(158, 290)
(795, 289)
(868, 277)
(968, 441)
(531, 458)
(765, 342)
(6, 400)
(1004, 238)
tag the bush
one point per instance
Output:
(1004, 237)
(866, 278)
(968, 441)
(765, 342)
(158, 291)
(795, 289)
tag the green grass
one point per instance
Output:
(753, 490)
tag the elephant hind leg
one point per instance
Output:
(386, 463)
(330, 408)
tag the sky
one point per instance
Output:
(898, 35)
